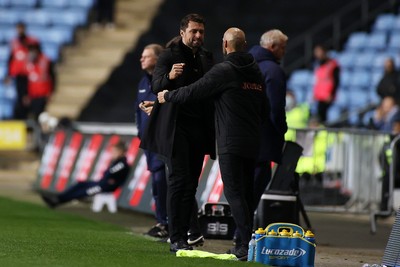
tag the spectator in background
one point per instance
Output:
(113, 177)
(389, 85)
(105, 13)
(327, 78)
(297, 115)
(41, 80)
(17, 69)
(144, 102)
(182, 133)
(385, 113)
(268, 56)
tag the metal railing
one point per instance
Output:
(338, 28)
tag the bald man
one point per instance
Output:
(237, 88)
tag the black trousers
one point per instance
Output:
(37, 106)
(105, 11)
(184, 169)
(20, 109)
(238, 177)
(262, 176)
(80, 190)
(322, 109)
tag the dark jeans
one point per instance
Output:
(238, 177)
(159, 186)
(80, 190)
(262, 176)
(37, 106)
(184, 170)
(322, 109)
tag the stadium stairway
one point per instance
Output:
(97, 52)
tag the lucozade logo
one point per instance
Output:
(283, 253)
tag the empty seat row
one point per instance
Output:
(386, 23)
(47, 3)
(366, 60)
(374, 41)
(44, 17)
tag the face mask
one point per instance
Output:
(290, 103)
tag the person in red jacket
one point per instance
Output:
(41, 80)
(17, 68)
(326, 81)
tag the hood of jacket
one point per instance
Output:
(261, 54)
(243, 62)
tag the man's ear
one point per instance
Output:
(225, 44)
(181, 32)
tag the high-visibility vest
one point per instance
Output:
(39, 80)
(296, 118)
(19, 59)
(325, 81)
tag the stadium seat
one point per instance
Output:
(3, 71)
(384, 22)
(10, 17)
(69, 17)
(52, 51)
(87, 4)
(7, 34)
(376, 76)
(358, 98)
(334, 113)
(6, 109)
(38, 32)
(5, 3)
(364, 60)
(346, 59)
(345, 77)
(24, 3)
(394, 42)
(396, 25)
(301, 78)
(376, 41)
(379, 61)
(342, 99)
(58, 35)
(374, 98)
(357, 41)
(4, 53)
(54, 3)
(361, 79)
(37, 18)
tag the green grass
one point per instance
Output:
(31, 235)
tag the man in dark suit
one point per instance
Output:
(182, 133)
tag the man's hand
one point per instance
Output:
(160, 96)
(176, 71)
(146, 106)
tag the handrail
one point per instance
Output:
(334, 23)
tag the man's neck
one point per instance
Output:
(194, 50)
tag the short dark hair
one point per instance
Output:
(121, 145)
(191, 17)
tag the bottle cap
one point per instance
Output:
(260, 231)
(297, 234)
(272, 232)
(284, 232)
(309, 234)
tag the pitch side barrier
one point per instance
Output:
(341, 169)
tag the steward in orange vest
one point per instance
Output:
(326, 81)
(40, 80)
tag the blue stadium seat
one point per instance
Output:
(396, 24)
(24, 3)
(37, 17)
(6, 109)
(346, 59)
(301, 77)
(3, 71)
(59, 35)
(394, 41)
(345, 77)
(39, 32)
(374, 98)
(361, 79)
(334, 113)
(7, 34)
(5, 3)
(376, 41)
(52, 51)
(4, 53)
(358, 98)
(342, 98)
(379, 61)
(364, 60)
(54, 3)
(87, 4)
(69, 17)
(9, 16)
(384, 22)
(376, 77)
(357, 41)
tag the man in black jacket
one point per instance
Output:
(237, 88)
(182, 133)
(113, 178)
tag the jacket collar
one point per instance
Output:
(261, 54)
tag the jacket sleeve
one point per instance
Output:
(163, 67)
(276, 91)
(210, 84)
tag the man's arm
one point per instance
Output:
(159, 80)
(276, 92)
(210, 84)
